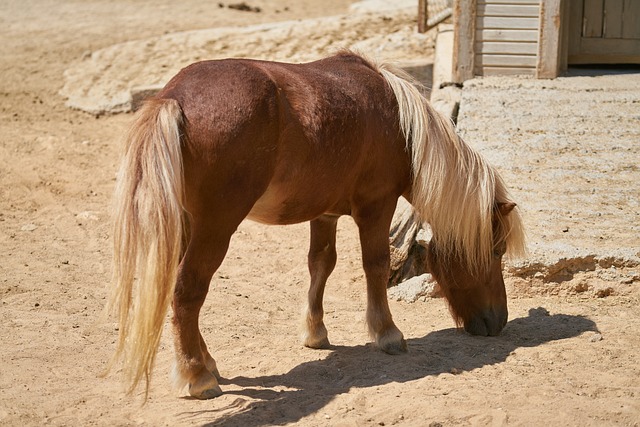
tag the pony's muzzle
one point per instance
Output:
(489, 322)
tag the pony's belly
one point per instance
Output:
(271, 208)
(267, 210)
(279, 207)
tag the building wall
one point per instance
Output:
(506, 37)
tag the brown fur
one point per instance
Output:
(281, 144)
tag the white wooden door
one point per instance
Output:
(604, 32)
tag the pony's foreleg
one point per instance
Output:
(194, 365)
(322, 260)
(373, 224)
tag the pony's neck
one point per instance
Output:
(454, 189)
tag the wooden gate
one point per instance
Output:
(604, 31)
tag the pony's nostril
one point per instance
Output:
(496, 318)
(476, 326)
(494, 326)
(487, 323)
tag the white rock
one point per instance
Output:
(412, 289)
(90, 215)
(382, 5)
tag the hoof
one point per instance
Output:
(395, 348)
(392, 342)
(205, 387)
(315, 337)
(322, 343)
(206, 394)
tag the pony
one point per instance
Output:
(283, 143)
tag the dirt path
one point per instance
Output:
(566, 359)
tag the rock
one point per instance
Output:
(110, 80)
(412, 289)
(596, 337)
(377, 6)
(407, 241)
(605, 292)
(244, 7)
(88, 215)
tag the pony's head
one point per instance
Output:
(476, 296)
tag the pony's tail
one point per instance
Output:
(147, 235)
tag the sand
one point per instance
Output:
(565, 358)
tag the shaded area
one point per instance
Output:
(591, 70)
(312, 385)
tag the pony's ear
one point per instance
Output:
(506, 208)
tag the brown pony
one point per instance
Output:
(285, 143)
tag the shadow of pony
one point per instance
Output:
(312, 385)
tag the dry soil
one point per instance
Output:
(565, 358)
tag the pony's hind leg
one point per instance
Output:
(322, 260)
(194, 365)
(209, 361)
(373, 225)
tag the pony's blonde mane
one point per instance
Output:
(454, 188)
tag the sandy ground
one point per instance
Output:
(565, 358)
